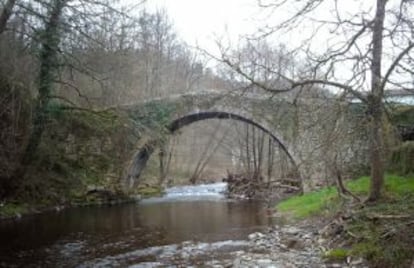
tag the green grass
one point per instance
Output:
(399, 186)
(336, 254)
(386, 242)
(308, 204)
(322, 201)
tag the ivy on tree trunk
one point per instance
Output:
(50, 39)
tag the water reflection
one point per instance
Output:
(76, 235)
(204, 220)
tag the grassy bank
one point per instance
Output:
(326, 200)
(382, 233)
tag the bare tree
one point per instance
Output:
(368, 49)
(83, 56)
(43, 25)
(48, 61)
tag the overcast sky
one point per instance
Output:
(203, 21)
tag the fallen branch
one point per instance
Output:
(290, 187)
(374, 216)
(352, 234)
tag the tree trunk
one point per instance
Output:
(5, 14)
(162, 165)
(247, 140)
(270, 157)
(340, 186)
(377, 155)
(376, 106)
(48, 64)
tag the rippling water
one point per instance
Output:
(107, 235)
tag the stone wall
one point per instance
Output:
(321, 135)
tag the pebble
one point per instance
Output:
(292, 230)
(285, 247)
(255, 236)
(264, 262)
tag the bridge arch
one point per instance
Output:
(142, 156)
(204, 115)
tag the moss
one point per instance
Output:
(154, 116)
(402, 158)
(336, 254)
(76, 195)
(150, 191)
(12, 209)
(403, 115)
(77, 149)
(369, 250)
(382, 252)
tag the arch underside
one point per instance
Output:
(143, 155)
(194, 117)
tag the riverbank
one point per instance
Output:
(380, 233)
(17, 209)
(297, 245)
(93, 196)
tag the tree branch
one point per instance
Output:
(5, 14)
(395, 64)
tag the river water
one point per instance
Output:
(152, 230)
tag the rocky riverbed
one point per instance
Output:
(288, 246)
(285, 247)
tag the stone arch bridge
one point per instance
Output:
(319, 135)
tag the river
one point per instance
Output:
(137, 234)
